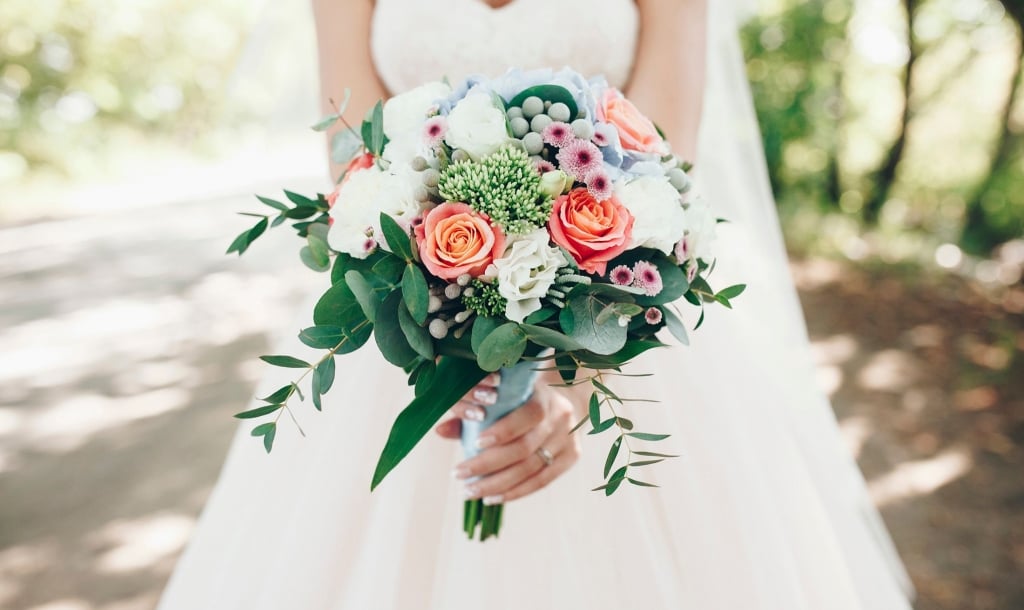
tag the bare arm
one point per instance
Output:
(343, 45)
(668, 75)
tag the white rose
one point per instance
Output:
(365, 194)
(355, 212)
(525, 273)
(404, 115)
(658, 216)
(476, 126)
(700, 229)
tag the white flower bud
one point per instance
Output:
(555, 183)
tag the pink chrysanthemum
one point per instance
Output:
(653, 316)
(647, 276)
(621, 276)
(579, 158)
(601, 136)
(543, 166)
(599, 183)
(434, 130)
(558, 134)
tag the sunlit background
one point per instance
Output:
(130, 133)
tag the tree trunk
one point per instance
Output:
(976, 219)
(884, 177)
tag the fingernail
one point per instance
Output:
(475, 414)
(484, 442)
(485, 397)
(491, 500)
(493, 379)
(471, 492)
(460, 472)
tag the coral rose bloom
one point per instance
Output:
(593, 232)
(636, 131)
(455, 239)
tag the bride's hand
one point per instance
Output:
(513, 464)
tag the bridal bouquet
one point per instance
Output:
(533, 222)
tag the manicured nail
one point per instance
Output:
(475, 414)
(492, 500)
(471, 492)
(461, 472)
(484, 442)
(485, 396)
(492, 379)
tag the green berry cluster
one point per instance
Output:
(503, 185)
(484, 299)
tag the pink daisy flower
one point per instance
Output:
(653, 316)
(543, 166)
(621, 276)
(601, 136)
(558, 134)
(579, 158)
(434, 130)
(369, 245)
(646, 276)
(599, 184)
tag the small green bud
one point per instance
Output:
(533, 143)
(532, 106)
(559, 112)
(520, 127)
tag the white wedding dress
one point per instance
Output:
(764, 510)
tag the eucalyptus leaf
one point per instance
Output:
(415, 293)
(301, 200)
(364, 293)
(732, 291)
(397, 238)
(482, 326)
(310, 259)
(277, 205)
(675, 325)
(417, 336)
(258, 411)
(279, 395)
(324, 373)
(322, 337)
(377, 139)
(600, 338)
(647, 436)
(612, 454)
(549, 338)
(594, 410)
(285, 361)
(640, 483)
(388, 332)
(325, 123)
(503, 347)
(344, 146)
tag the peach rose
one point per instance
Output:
(594, 232)
(455, 239)
(636, 131)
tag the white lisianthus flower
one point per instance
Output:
(476, 126)
(659, 218)
(700, 231)
(404, 116)
(554, 183)
(526, 272)
(355, 216)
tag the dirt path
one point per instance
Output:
(125, 347)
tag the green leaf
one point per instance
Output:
(723, 300)
(377, 140)
(608, 423)
(541, 315)
(415, 293)
(601, 338)
(675, 325)
(365, 294)
(387, 332)
(309, 259)
(548, 93)
(579, 424)
(618, 475)
(258, 412)
(567, 368)
(700, 320)
(654, 454)
(268, 431)
(325, 123)
(338, 307)
(322, 336)
(299, 213)
(318, 247)
(344, 146)
(397, 238)
(647, 436)
(594, 410)
(732, 291)
(645, 463)
(503, 347)
(612, 454)
(640, 483)
(289, 362)
(631, 350)
(301, 200)
(277, 205)
(324, 375)
(624, 423)
(454, 377)
(240, 244)
(427, 372)
(279, 395)
(417, 336)
(482, 327)
(549, 338)
(617, 310)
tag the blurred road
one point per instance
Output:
(127, 340)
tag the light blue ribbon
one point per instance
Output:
(514, 390)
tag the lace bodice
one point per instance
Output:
(414, 41)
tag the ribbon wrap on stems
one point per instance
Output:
(515, 389)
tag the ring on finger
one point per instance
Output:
(545, 456)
